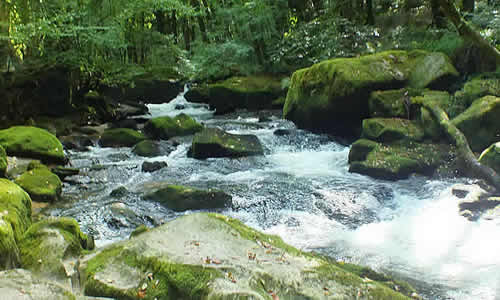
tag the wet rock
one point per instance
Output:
(77, 142)
(127, 123)
(145, 89)
(331, 96)
(153, 166)
(181, 198)
(283, 132)
(474, 200)
(24, 285)
(129, 109)
(179, 107)
(491, 157)
(167, 127)
(147, 148)
(122, 216)
(50, 247)
(15, 218)
(215, 257)
(40, 183)
(32, 142)
(3, 162)
(479, 123)
(214, 142)
(121, 137)
(63, 172)
(119, 192)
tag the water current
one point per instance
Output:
(302, 191)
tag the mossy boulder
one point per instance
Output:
(332, 96)
(432, 70)
(33, 142)
(478, 87)
(181, 198)
(398, 160)
(167, 127)
(15, 218)
(214, 142)
(121, 137)
(252, 92)
(40, 183)
(480, 122)
(23, 284)
(216, 257)
(147, 148)
(491, 157)
(50, 247)
(391, 129)
(3, 161)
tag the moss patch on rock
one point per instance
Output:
(33, 142)
(391, 129)
(40, 183)
(236, 262)
(15, 218)
(479, 123)
(167, 127)
(147, 148)
(432, 70)
(121, 137)
(214, 142)
(47, 244)
(398, 160)
(181, 198)
(252, 92)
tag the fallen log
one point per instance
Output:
(471, 166)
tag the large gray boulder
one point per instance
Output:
(210, 256)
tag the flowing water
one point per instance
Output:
(302, 191)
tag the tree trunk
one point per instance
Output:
(466, 31)
(471, 166)
(370, 18)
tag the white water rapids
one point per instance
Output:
(302, 191)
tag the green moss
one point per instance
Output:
(360, 149)
(181, 198)
(214, 142)
(432, 70)
(491, 157)
(32, 142)
(391, 129)
(138, 230)
(167, 127)
(9, 251)
(121, 137)
(17, 203)
(146, 148)
(40, 183)
(3, 161)
(479, 123)
(175, 281)
(41, 250)
(350, 276)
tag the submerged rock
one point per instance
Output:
(15, 218)
(121, 137)
(40, 183)
(251, 92)
(33, 142)
(119, 192)
(153, 166)
(215, 257)
(480, 123)
(181, 198)
(331, 96)
(491, 157)
(167, 127)
(214, 142)
(50, 247)
(63, 172)
(474, 200)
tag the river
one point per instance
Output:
(302, 191)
